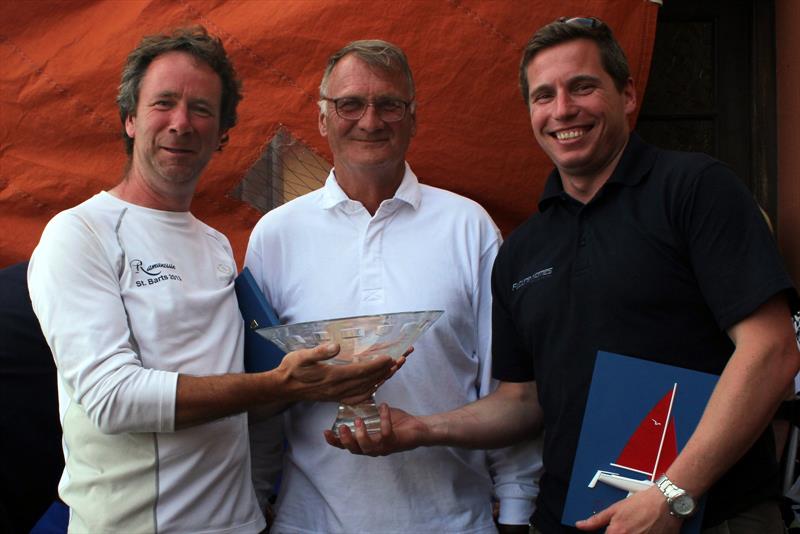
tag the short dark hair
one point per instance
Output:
(563, 30)
(193, 40)
(375, 53)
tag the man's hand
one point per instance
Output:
(301, 376)
(307, 378)
(396, 365)
(400, 431)
(642, 512)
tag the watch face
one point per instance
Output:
(683, 505)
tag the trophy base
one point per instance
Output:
(367, 411)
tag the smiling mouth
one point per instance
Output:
(174, 150)
(568, 135)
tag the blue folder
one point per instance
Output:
(622, 396)
(259, 353)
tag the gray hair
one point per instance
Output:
(375, 53)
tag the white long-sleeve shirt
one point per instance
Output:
(129, 297)
(323, 256)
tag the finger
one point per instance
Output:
(377, 364)
(598, 520)
(408, 351)
(348, 440)
(387, 432)
(331, 438)
(363, 438)
(398, 363)
(358, 383)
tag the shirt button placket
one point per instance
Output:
(371, 263)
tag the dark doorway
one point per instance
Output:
(712, 87)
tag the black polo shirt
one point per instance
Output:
(669, 254)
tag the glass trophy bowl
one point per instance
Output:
(360, 338)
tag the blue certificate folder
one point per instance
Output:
(638, 416)
(259, 353)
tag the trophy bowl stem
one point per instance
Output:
(368, 412)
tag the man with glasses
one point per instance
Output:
(135, 297)
(638, 251)
(375, 240)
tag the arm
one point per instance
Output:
(748, 392)
(300, 376)
(79, 305)
(508, 415)
(515, 470)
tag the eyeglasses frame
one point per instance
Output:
(406, 107)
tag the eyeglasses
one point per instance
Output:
(586, 22)
(353, 108)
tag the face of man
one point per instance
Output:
(578, 116)
(368, 143)
(176, 127)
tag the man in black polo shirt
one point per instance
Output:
(639, 251)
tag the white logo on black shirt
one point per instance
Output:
(535, 277)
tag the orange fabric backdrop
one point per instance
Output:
(60, 132)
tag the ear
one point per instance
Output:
(629, 92)
(322, 123)
(130, 126)
(223, 140)
(414, 123)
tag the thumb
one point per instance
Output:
(321, 352)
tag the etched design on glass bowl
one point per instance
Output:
(360, 338)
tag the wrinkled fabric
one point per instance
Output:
(60, 133)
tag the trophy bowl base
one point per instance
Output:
(367, 411)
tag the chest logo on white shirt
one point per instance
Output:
(535, 277)
(153, 273)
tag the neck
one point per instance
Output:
(134, 188)
(370, 186)
(584, 186)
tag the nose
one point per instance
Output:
(180, 120)
(370, 121)
(564, 105)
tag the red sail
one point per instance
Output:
(669, 451)
(642, 450)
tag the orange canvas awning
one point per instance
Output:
(60, 132)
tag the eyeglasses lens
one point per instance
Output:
(388, 110)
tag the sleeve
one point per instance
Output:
(515, 470)
(510, 361)
(733, 253)
(266, 437)
(75, 293)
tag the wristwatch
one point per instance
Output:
(680, 503)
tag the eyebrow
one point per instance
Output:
(572, 81)
(383, 96)
(583, 78)
(174, 94)
(169, 94)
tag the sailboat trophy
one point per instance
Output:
(359, 338)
